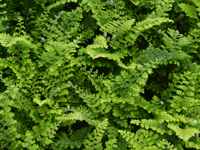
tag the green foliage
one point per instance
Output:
(99, 74)
(189, 10)
(145, 140)
(94, 141)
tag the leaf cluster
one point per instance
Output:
(99, 74)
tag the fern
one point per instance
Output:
(184, 134)
(28, 142)
(94, 142)
(95, 74)
(144, 25)
(3, 17)
(76, 140)
(137, 141)
(9, 134)
(189, 10)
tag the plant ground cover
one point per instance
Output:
(99, 74)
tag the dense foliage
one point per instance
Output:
(99, 74)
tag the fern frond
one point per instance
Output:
(189, 10)
(118, 27)
(142, 139)
(94, 140)
(76, 140)
(144, 25)
(185, 133)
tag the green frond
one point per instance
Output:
(183, 133)
(144, 25)
(140, 140)
(75, 141)
(189, 10)
(152, 124)
(94, 140)
(118, 27)
(99, 74)
(42, 102)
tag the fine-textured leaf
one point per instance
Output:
(189, 10)
(184, 134)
